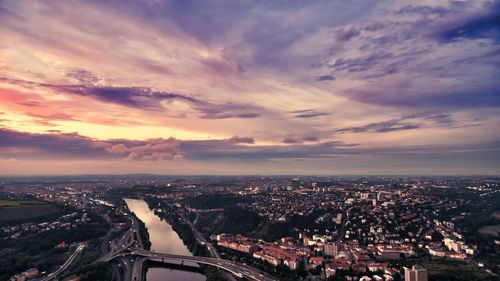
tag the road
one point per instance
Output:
(135, 229)
(138, 269)
(68, 262)
(342, 227)
(129, 245)
(125, 247)
(117, 246)
(200, 238)
(235, 268)
(128, 239)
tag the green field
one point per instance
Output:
(489, 229)
(19, 210)
(446, 270)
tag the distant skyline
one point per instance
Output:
(250, 87)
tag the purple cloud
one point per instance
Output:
(145, 98)
(327, 77)
(381, 127)
(83, 76)
(308, 113)
(361, 63)
(34, 146)
(237, 139)
(423, 10)
(484, 25)
(406, 94)
(346, 34)
(291, 140)
(311, 138)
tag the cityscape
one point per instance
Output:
(249, 140)
(143, 227)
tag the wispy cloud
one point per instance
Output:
(264, 82)
(307, 113)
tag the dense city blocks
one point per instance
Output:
(254, 228)
(257, 140)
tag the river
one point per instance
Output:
(163, 239)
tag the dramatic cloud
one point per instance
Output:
(142, 98)
(33, 146)
(152, 150)
(147, 98)
(482, 25)
(249, 86)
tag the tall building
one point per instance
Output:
(295, 184)
(416, 273)
(330, 249)
(380, 196)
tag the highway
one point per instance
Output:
(240, 270)
(118, 246)
(68, 262)
(126, 246)
(200, 238)
(129, 245)
(138, 269)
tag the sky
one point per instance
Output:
(249, 87)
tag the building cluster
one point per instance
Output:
(26, 275)
(357, 226)
(64, 222)
(281, 205)
(416, 273)
(314, 253)
(452, 245)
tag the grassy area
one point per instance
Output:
(17, 210)
(489, 229)
(239, 221)
(209, 221)
(445, 270)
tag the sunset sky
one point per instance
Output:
(249, 87)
